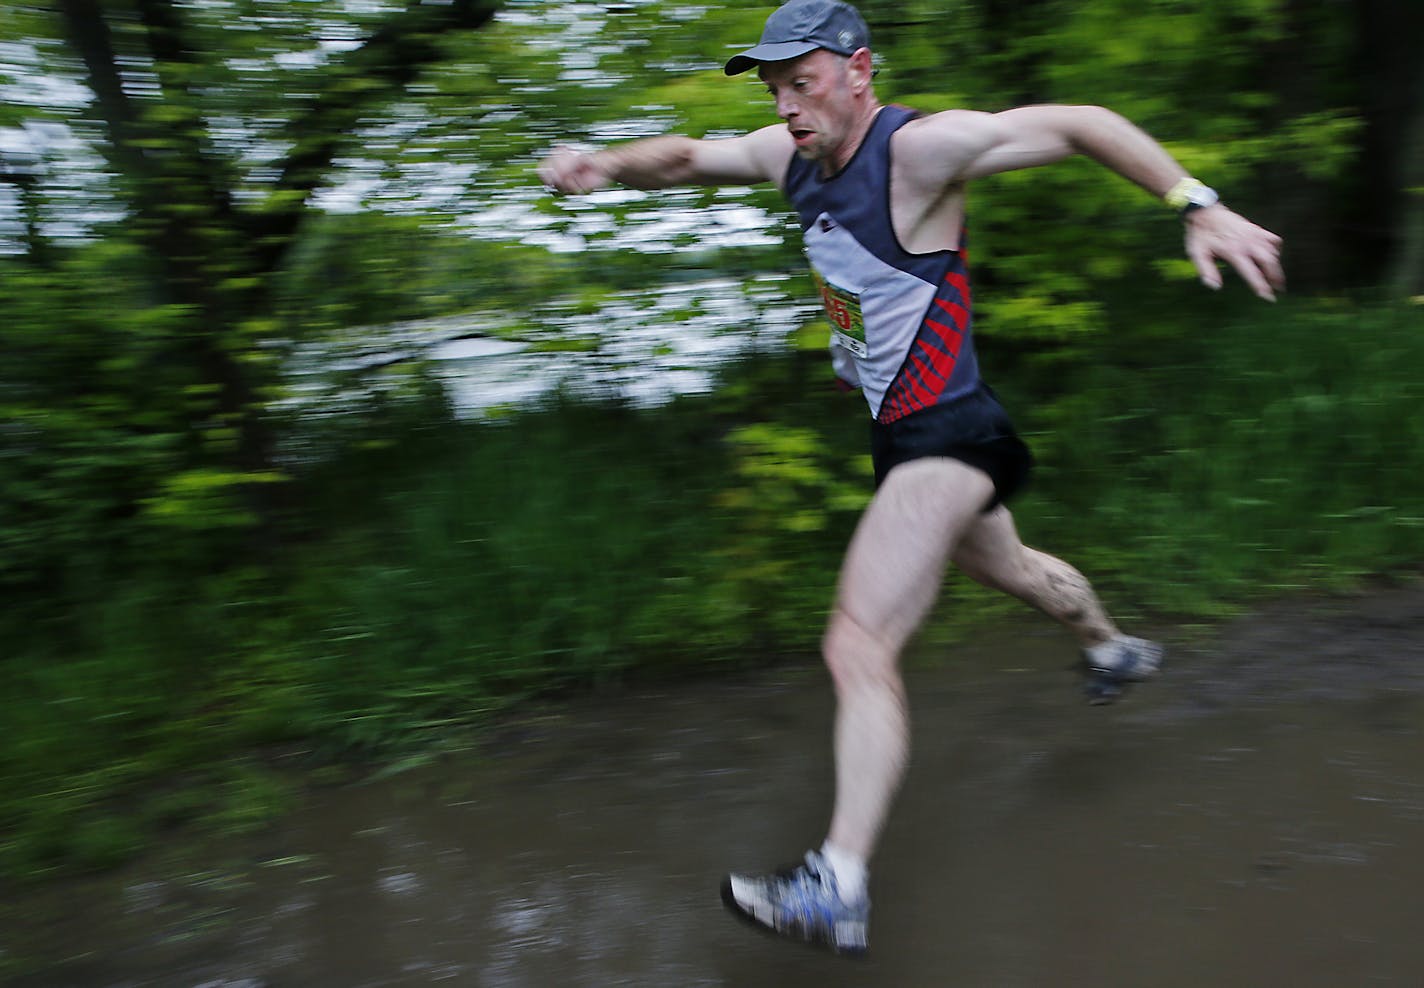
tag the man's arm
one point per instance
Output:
(973, 145)
(663, 162)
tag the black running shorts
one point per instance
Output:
(973, 429)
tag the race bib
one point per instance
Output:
(843, 311)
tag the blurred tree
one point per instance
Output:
(228, 124)
(218, 123)
(149, 65)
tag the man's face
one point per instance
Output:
(813, 95)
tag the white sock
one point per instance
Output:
(850, 870)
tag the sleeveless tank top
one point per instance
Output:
(901, 322)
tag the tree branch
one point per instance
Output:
(87, 30)
(189, 165)
(391, 59)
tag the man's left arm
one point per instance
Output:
(1036, 135)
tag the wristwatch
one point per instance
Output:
(1189, 195)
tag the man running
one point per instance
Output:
(880, 192)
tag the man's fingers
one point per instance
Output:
(1205, 264)
(1251, 274)
(1261, 268)
(1253, 252)
(1251, 265)
(1271, 265)
(571, 173)
(560, 171)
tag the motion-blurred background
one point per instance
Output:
(324, 429)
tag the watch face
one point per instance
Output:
(1190, 194)
(1201, 197)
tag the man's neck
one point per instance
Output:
(865, 117)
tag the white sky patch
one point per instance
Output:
(614, 131)
(27, 83)
(350, 196)
(18, 146)
(363, 8)
(308, 59)
(70, 181)
(647, 346)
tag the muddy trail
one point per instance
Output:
(1252, 818)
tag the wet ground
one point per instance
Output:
(1253, 818)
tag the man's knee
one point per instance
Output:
(855, 655)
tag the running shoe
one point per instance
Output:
(1111, 667)
(801, 902)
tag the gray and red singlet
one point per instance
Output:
(901, 322)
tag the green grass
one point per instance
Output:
(432, 574)
(1272, 452)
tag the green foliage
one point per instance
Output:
(479, 565)
(98, 437)
(369, 269)
(1251, 455)
(192, 578)
(787, 489)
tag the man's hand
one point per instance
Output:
(1217, 234)
(573, 172)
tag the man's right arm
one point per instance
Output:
(663, 162)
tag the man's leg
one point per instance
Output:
(889, 580)
(888, 583)
(991, 552)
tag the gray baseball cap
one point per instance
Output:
(801, 26)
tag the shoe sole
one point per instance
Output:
(1103, 687)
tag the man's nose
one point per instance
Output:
(786, 107)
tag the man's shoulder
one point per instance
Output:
(935, 147)
(775, 137)
(773, 148)
(947, 127)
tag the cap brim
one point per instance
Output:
(778, 52)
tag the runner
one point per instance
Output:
(880, 192)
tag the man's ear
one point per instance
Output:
(860, 68)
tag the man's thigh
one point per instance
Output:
(896, 560)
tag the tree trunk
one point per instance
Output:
(1407, 274)
(183, 219)
(1389, 220)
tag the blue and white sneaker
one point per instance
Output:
(1111, 667)
(803, 903)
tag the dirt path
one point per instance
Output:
(1253, 818)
